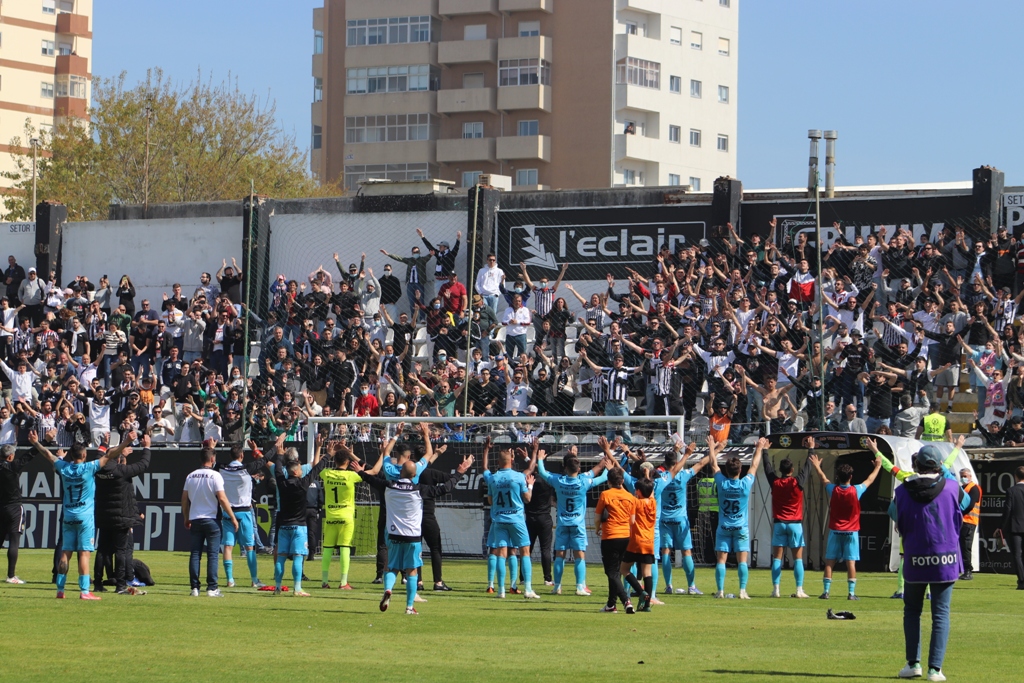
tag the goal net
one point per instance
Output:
(462, 514)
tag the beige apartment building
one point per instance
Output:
(553, 93)
(45, 55)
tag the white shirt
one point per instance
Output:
(174, 319)
(520, 320)
(99, 415)
(202, 487)
(10, 319)
(405, 508)
(517, 397)
(21, 383)
(789, 363)
(7, 434)
(237, 484)
(488, 281)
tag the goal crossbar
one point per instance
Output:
(311, 427)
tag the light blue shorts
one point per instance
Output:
(843, 546)
(570, 538)
(676, 535)
(292, 540)
(508, 535)
(404, 555)
(79, 535)
(788, 535)
(246, 536)
(732, 540)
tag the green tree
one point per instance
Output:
(206, 142)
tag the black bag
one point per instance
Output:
(142, 572)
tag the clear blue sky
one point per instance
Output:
(919, 90)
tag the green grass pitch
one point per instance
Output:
(467, 635)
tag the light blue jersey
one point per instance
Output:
(733, 500)
(572, 494)
(673, 498)
(661, 482)
(392, 472)
(506, 489)
(78, 480)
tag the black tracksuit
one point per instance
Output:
(11, 516)
(116, 513)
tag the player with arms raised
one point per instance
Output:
(788, 518)
(509, 491)
(733, 535)
(675, 522)
(78, 480)
(571, 533)
(843, 522)
(339, 484)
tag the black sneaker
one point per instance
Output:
(378, 580)
(385, 601)
(441, 586)
(100, 588)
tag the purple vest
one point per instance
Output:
(931, 535)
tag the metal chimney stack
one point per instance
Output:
(830, 162)
(812, 174)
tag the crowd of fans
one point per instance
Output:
(725, 333)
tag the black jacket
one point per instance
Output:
(115, 493)
(292, 492)
(10, 490)
(1013, 510)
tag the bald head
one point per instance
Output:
(408, 470)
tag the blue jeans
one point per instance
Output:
(515, 344)
(204, 531)
(874, 423)
(620, 409)
(141, 364)
(492, 303)
(410, 292)
(913, 605)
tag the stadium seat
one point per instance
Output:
(531, 334)
(569, 438)
(974, 442)
(631, 404)
(659, 439)
(548, 438)
(751, 439)
(502, 439)
(798, 424)
(571, 334)
(639, 440)
(582, 406)
(390, 336)
(590, 437)
(480, 438)
(699, 406)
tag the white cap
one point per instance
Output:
(402, 406)
(531, 409)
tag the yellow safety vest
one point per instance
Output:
(934, 427)
(707, 495)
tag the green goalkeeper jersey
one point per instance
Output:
(339, 494)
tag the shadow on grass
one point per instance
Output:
(793, 674)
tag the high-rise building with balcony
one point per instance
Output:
(45, 55)
(554, 93)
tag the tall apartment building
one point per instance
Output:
(45, 55)
(554, 93)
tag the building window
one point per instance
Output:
(635, 128)
(389, 31)
(526, 176)
(390, 128)
(524, 72)
(49, 48)
(475, 32)
(397, 172)
(318, 136)
(46, 90)
(695, 184)
(723, 46)
(674, 133)
(64, 49)
(723, 94)
(723, 3)
(473, 129)
(631, 28)
(633, 71)
(694, 137)
(723, 143)
(674, 179)
(470, 178)
(318, 89)
(696, 40)
(70, 86)
(695, 88)
(675, 84)
(675, 35)
(67, 5)
(381, 79)
(629, 176)
(474, 80)
(531, 127)
(529, 28)
(318, 42)
(49, 6)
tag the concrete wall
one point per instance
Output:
(300, 243)
(19, 240)
(153, 253)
